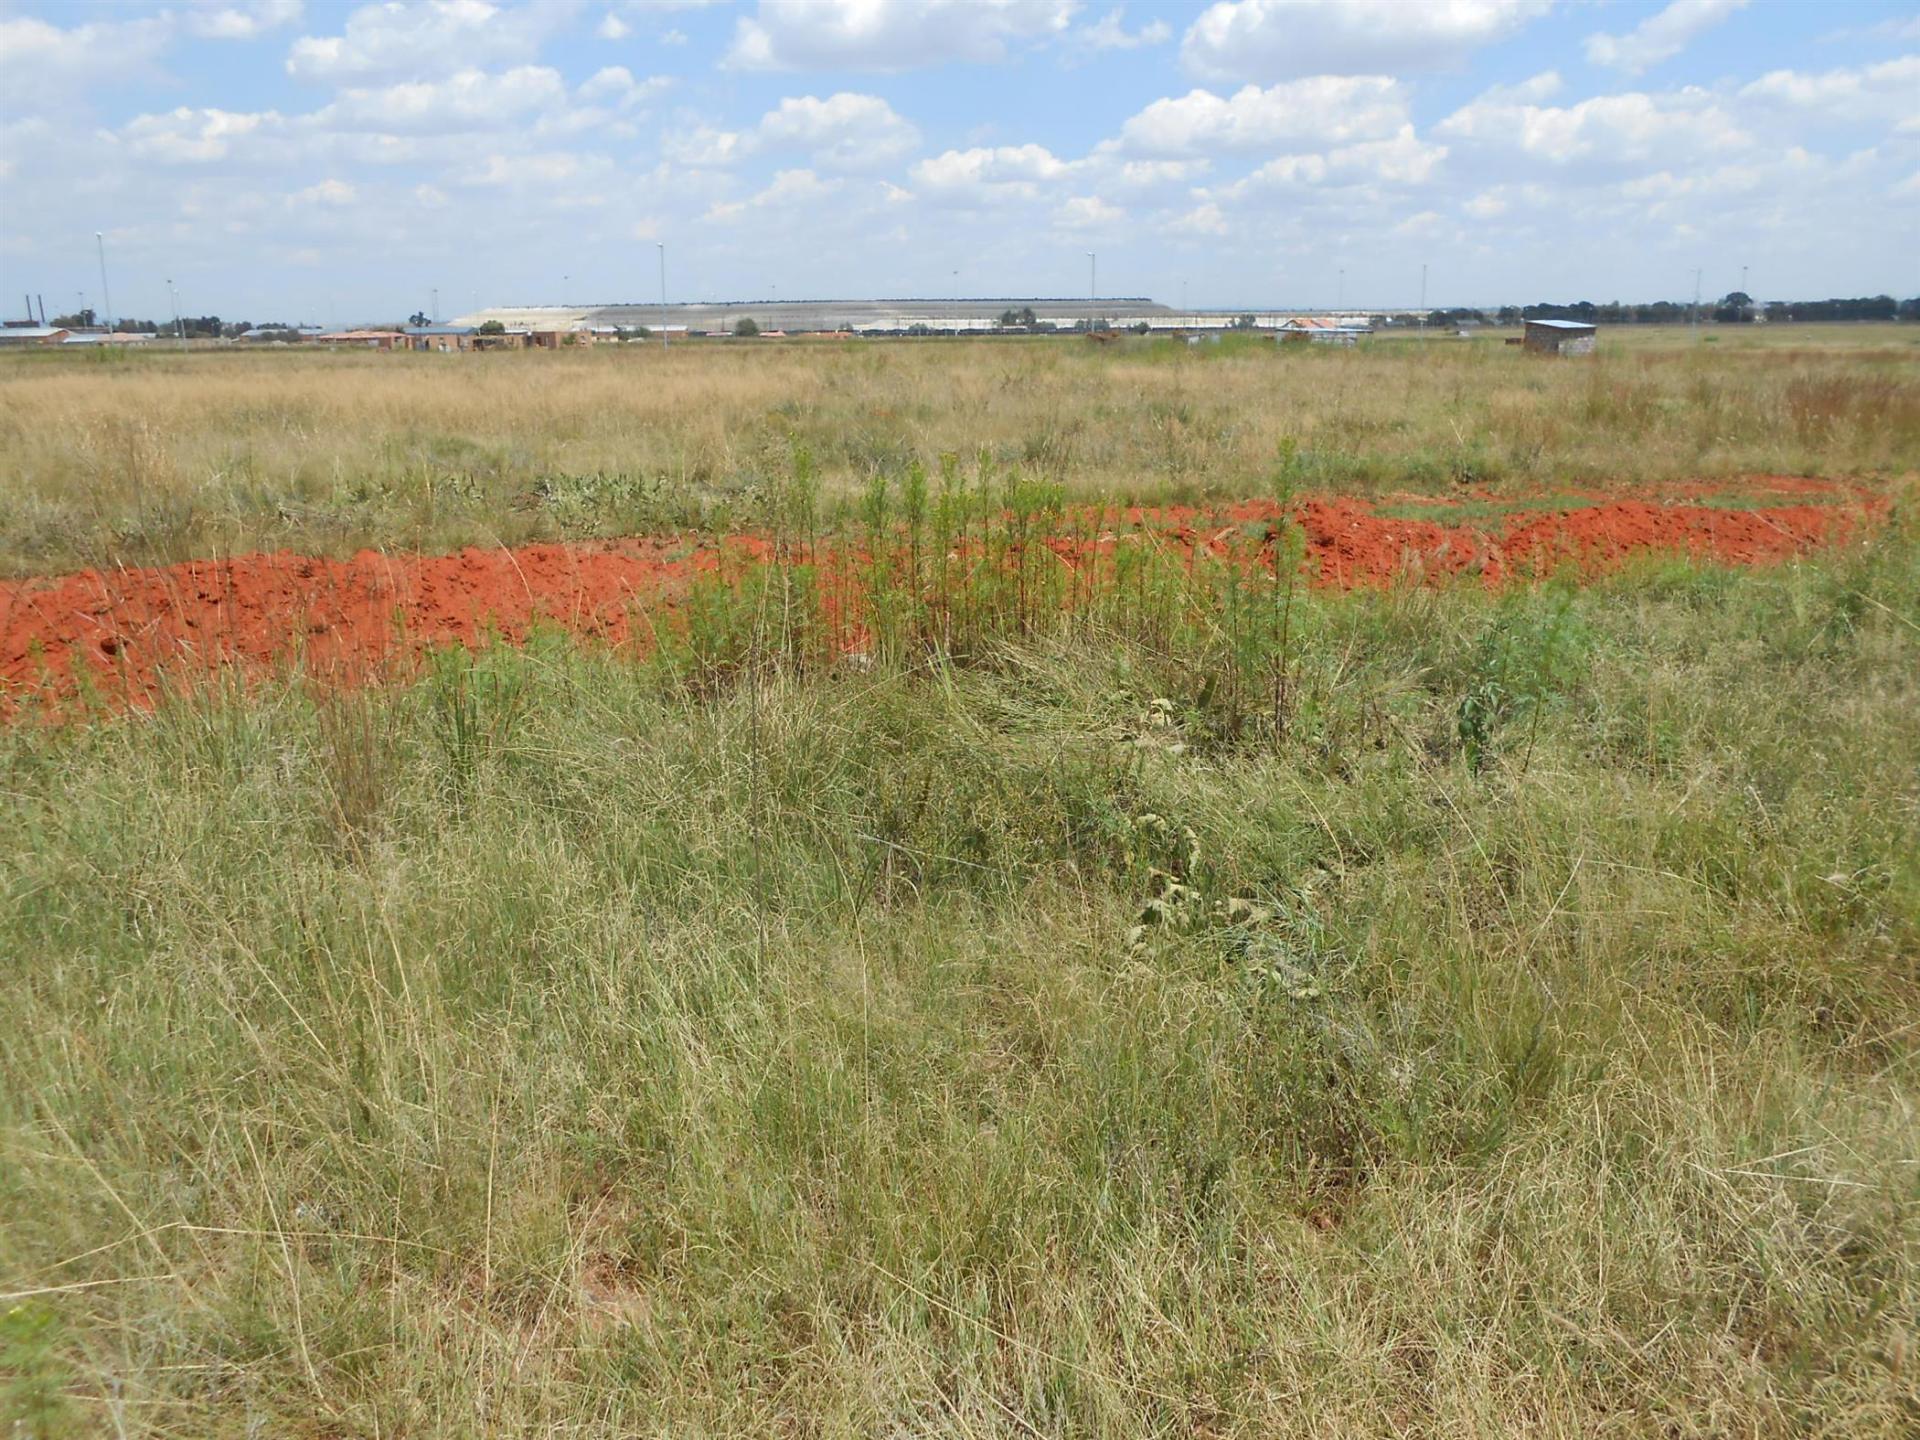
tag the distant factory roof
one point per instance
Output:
(1564, 324)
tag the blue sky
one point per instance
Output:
(287, 159)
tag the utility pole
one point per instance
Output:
(1340, 293)
(1093, 287)
(435, 317)
(1695, 322)
(101, 241)
(179, 330)
(1423, 298)
(661, 245)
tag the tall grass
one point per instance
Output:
(171, 456)
(1018, 1032)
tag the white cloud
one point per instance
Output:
(42, 64)
(1882, 92)
(790, 190)
(1268, 39)
(987, 174)
(1402, 159)
(1326, 108)
(401, 37)
(538, 168)
(327, 192)
(842, 132)
(614, 85)
(190, 137)
(1659, 37)
(705, 147)
(240, 19)
(867, 35)
(1087, 212)
(613, 28)
(465, 101)
(1607, 129)
(1110, 33)
(1204, 219)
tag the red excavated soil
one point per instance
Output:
(125, 633)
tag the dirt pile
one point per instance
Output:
(126, 632)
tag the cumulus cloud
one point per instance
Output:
(845, 131)
(1605, 130)
(401, 37)
(1269, 39)
(612, 27)
(1088, 212)
(1659, 37)
(614, 85)
(465, 101)
(1110, 33)
(44, 64)
(863, 35)
(1402, 159)
(327, 192)
(1883, 92)
(789, 190)
(1325, 108)
(988, 174)
(188, 136)
(842, 132)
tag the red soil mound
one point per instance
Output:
(127, 630)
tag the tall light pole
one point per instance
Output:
(661, 246)
(179, 330)
(1340, 294)
(435, 317)
(101, 241)
(1093, 287)
(1696, 302)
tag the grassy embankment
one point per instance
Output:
(1237, 1010)
(163, 456)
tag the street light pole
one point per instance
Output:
(661, 245)
(100, 240)
(179, 330)
(1093, 287)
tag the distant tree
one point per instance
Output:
(419, 317)
(492, 327)
(745, 326)
(1140, 327)
(1245, 322)
(1009, 318)
(79, 320)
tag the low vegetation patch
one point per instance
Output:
(1417, 1010)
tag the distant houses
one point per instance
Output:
(33, 335)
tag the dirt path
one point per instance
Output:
(129, 631)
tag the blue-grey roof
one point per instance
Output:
(1564, 324)
(440, 330)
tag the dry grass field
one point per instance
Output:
(160, 456)
(1244, 1009)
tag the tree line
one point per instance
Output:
(1735, 308)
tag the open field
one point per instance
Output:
(938, 989)
(165, 457)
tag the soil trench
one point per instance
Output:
(126, 634)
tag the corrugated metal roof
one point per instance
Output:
(440, 330)
(1564, 324)
(32, 332)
